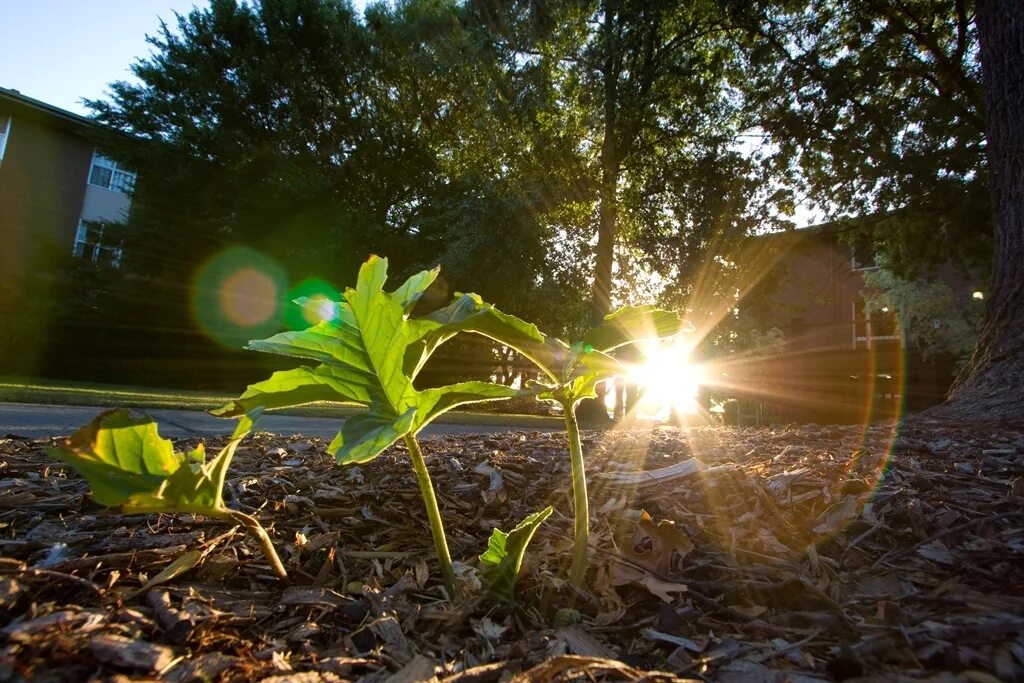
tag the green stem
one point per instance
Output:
(433, 513)
(227, 514)
(256, 529)
(581, 508)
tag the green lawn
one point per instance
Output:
(60, 392)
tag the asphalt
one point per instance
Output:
(36, 421)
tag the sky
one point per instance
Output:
(60, 51)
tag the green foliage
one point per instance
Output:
(370, 352)
(588, 362)
(572, 374)
(500, 563)
(875, 109)
(937, 319)
(129, 466)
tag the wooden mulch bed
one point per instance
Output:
(797, 554)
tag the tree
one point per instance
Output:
(647, 84)
(990, 388)
(929, 312)
(873, 109)
(301, 130)
(890, 111)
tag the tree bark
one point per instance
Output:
(992, 386)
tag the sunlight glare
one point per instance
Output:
(669, 382)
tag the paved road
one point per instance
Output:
(37, 421)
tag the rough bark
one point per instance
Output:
(992, 385)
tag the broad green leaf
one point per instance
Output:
(119, 454)
(469, 313)
(363, 437)
(500, 564)
(287, 388)
(433, 402)
(413, 288)
(191, 488)
(369, 354)
(631, 324)
(128, 464)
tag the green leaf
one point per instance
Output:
(413, 288)
(469, 313)
(128, 464)
(369, 354)
(433, 402)
(287, 388)
(363, 437)
(120, 454)
(500, 564)
(631, 324)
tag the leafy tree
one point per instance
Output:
(645, 83)
(301, 130)
(929, 312)
(908, 112)
(874, 108)
(244, 124)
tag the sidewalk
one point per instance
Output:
(39, 421)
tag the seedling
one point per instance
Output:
(573, 373)
(129, 466)
(370, 351)
(499, 565)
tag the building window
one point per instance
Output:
(5, 132)
(863, 258)
(89, 245)
(107, 174)
(872, 329)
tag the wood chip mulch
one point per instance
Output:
(799, 554)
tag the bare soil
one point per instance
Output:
(801, 553)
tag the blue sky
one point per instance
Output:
(60, 51)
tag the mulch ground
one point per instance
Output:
(789, 554)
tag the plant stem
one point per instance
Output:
(254, 527)
(433, 513)
(581, 508)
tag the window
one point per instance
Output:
(89, 245)
(863, 258)
(107, 174)
(876, 328)
(5, 132)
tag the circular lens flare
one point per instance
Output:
(237, 296)
(247, 297)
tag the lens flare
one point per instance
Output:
(320, 304)
(237, 296)
(247, 297)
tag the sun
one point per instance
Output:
(669, 383)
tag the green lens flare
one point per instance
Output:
(322, 305)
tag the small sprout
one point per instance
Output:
(500, 564)
(573, 373)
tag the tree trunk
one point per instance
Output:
(992, 385)
(610, 168)
(595, 410)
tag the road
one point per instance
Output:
(38, 421)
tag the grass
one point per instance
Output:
(62, 392)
